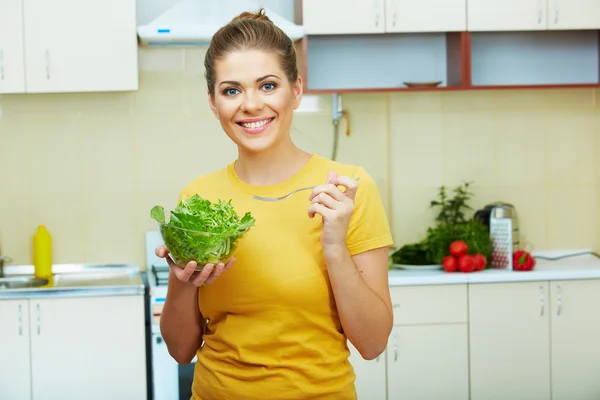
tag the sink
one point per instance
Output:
(22, 282)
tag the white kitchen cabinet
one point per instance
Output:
(15, 378)
(575, 329)
(532, 15)
(426, 15)
(12, 67)
(68, 46)
(70, 346)
(507, 15)
(509, 340)
(335, 17)
(370, 375)
(573, 14)
(427, 353)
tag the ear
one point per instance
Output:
(211, 103)
(298, 89)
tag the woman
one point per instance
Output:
(272, 322)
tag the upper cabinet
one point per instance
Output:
(68, 46)
(12, 67)
(532, 15)
(343, 16)
(425, 15)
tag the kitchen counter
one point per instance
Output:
(576, 266)
(76, 280)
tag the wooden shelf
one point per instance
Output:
(370, 63)
(382, 62)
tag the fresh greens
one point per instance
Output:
(201, 231)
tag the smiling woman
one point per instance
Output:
(274, 320)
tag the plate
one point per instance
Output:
(432, 267)
(422, 84)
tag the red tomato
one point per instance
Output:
(458, 248)
(449, 263)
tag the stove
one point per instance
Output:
(170, 380)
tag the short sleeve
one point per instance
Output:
(369, 227)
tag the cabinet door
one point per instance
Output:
(15, 378)
(510, 340)
(370, 375)
(428, 362)
(575, 327)
(573, 14)
(332, 17)
(88, 347)
(12, 67)
(80, 46)
(426, 15)
(506, 15)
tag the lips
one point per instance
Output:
(255, 126)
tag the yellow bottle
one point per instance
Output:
(42, 253)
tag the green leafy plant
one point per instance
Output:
(201, 231)
(450, 224)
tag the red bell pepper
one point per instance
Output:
(523, 261)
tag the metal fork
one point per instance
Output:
(273, 199)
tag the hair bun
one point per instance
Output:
(257, 16)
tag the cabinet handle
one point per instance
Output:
(540, 11)
(559, 296)
(542, 300)
(556, 11)
(393, 12)
(395, 345)
(37, 308)
(376, 4)
(47, 64)
(20, 318)
(2, 66)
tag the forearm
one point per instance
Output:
(365, 317)
(181, 321)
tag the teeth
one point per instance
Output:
(255, 125)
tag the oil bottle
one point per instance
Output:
(42, 253)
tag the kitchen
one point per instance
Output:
(90, 164)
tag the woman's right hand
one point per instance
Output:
(188, 274)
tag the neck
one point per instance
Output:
(272, 166)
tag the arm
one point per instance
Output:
(355, 240)
(362, 295)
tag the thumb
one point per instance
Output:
(332, 177)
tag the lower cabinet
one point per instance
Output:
(489, 341)
(66, 348)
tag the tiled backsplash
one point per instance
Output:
(90, 166)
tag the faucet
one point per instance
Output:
(2, 260)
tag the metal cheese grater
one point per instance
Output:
(504, 232)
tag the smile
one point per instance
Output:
(255, 126)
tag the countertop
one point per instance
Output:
(578, 265)
(79, 280)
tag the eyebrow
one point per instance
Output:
(262, 78)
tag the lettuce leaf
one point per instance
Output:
(201, 231)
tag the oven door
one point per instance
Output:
(170, 380)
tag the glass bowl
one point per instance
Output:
(187, 245)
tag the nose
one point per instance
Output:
(252, 101)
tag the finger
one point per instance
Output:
(331, 177)
(318, 208)
(327, 201)
(215, 274)
(203, 275)
(184, 274)
(350, 184)
(229, 263)
(161, 251)
(330, 189)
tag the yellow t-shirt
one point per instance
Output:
(273, 330)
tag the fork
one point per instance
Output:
(274, 199)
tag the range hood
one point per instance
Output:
(194, 22)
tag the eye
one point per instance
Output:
(269, 86)
(230, 91)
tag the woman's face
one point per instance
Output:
(254, 101)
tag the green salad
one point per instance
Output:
(201, 231)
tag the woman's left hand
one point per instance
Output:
(336, 208)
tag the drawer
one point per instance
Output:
(433, 304)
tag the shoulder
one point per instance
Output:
(205, 185)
